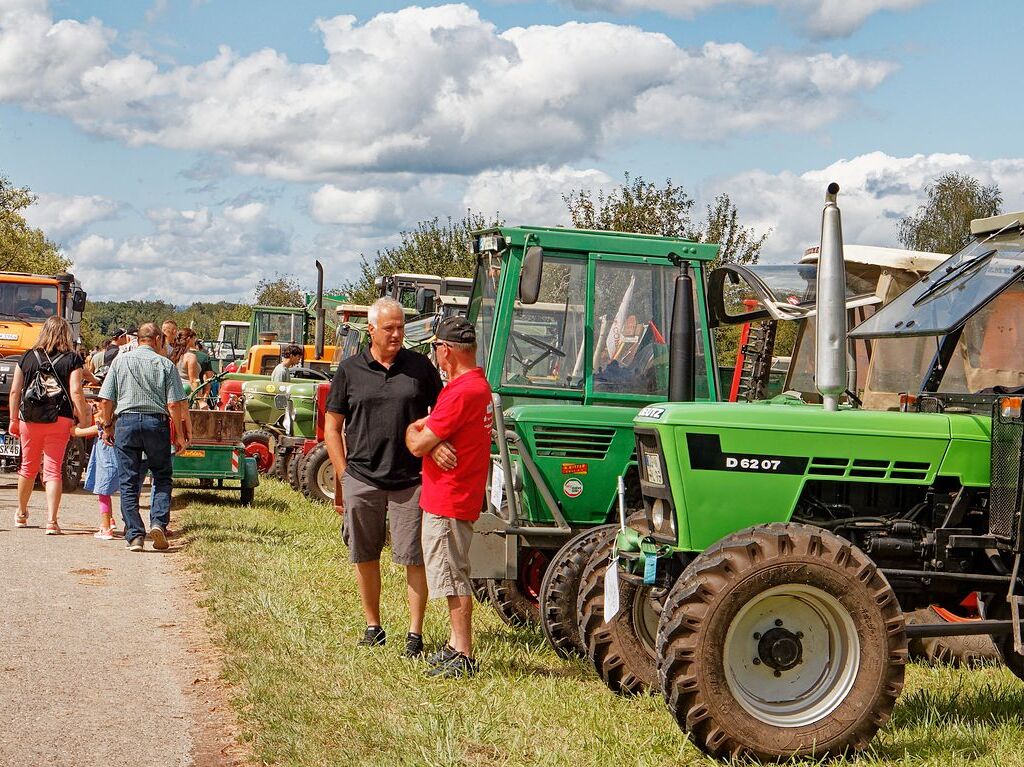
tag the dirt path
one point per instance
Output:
(103, 655)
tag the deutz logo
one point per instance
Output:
(651, 412)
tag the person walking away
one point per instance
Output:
(374, 397)
(452, 499)
(143, 392)
(184, 357)
(101, 476)
(46, 398)
(291, 355)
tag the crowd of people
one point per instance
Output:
(412, 451)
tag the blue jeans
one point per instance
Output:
(135, 434)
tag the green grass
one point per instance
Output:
(283, 604)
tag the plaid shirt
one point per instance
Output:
(142, 381)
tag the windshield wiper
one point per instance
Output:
(953, 274)
(16, 317)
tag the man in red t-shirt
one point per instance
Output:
(452, 499)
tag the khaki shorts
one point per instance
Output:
(369, 511)
(446, 544)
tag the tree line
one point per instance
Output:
(441, 246)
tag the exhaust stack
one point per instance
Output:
(682, 339)
(318, 338)
(830, 346)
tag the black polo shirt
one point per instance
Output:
(379, 404)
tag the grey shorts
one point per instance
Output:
(446, 544)
(369, 511)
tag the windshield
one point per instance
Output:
(419, 331)
(949, 295)
(632, 319)
(288, 327)
(347, 343)
(545, 345)
(485, 292)
(28, 301)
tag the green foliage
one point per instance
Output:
(281, 290)
(22, 247)
(103, 317)
(739, 244)
(432, 247)
(943, 223)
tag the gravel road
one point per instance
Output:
(103, 656)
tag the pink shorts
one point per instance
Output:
(46, 442)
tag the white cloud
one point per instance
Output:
(817, 18)
(62, 217)
(532, 195)
(876, 190)
(423, 90)
(360, 207)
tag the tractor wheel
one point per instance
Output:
(75, 461)
(317, 475)
(782, 641)
(963, 651)
(480, 590)
(1000, 610)
(517, 602)
(295, 470)
(259, 443)
(623, 649)
(560, 589)
(279, 469)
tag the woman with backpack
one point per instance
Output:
(46, 397)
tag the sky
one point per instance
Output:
(184, 149)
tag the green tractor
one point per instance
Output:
(782, 542)
(572, 331)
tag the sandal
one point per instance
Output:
(21, 520)
(52, 528)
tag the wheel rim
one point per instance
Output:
(259, 451)
(325, 479)
(791, 655)
(531, 574)
(646, 615)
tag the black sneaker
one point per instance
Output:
(374, 637)
(445, 654)
(413, 645)
(135, 544)
(159, 537)
(457, 666)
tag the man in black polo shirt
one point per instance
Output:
(374, 397)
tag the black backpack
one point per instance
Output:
(44, 393)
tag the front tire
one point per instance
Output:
(623, 650)
(317, 475)
(259, 444)
(295, 469)
(560, 589)
(781, 641)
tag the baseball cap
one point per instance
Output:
(118, 333)
(456, 330)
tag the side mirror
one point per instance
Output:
(425, 300)
(529, 277)
(78, 301)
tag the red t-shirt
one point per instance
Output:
(463, 415)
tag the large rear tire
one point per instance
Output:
(779, 642)
(317, 475)
(517, 601)
(961, 652)
(623, 650)
(259, 443)
(560, 589)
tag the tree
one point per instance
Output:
(739, 244)
(281, 290)
(432, 247)
(637, 205)
(943, 223)
(22, 247)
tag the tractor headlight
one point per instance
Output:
(658, 513)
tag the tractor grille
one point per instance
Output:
(865, 468)
(1005, 494)
(582, 442)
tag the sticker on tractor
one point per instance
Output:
(192, 454)
(651, 412)
(575, 468)
(706, 455)
(9, 336)
(572, 488)
(271, 388)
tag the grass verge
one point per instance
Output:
(284, 606)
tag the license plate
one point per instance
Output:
(652, 464)
(10, 445)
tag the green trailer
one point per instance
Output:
(217, 457)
